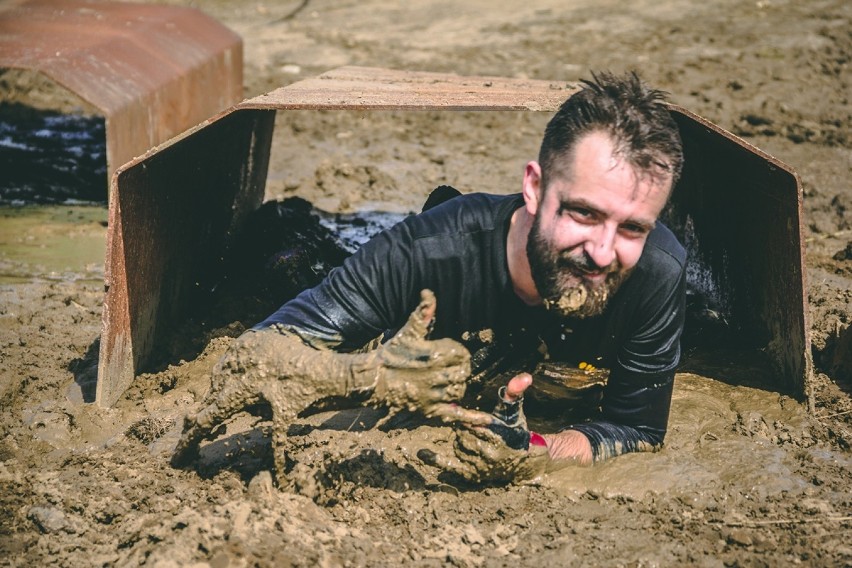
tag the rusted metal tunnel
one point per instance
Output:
(175, 210)
(151, 71)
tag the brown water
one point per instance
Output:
(55, 242)
(719, 435)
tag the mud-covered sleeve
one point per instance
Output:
(372, 292)
(637, 398)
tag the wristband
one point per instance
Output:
(537, 440)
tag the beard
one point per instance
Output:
(558, 277)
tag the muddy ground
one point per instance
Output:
(749, 476)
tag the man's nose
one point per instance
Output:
(600, 247)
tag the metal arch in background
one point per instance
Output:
(152, 71)
(176, 208)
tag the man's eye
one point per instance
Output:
(580, 214)
(634, 230)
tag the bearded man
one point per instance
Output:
(580, 250)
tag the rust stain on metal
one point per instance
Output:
(153, 71)
(159, 267)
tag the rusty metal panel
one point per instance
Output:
(153, 71)
(744, 205)
(170, 221)
(743, 212)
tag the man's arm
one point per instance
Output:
(586, 443)
(565, 445)
(370, 294)
(635, 419)
(408, 372)
(569, 445)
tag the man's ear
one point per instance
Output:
(532, 190)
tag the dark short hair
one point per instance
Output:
(631, 113)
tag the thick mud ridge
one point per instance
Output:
(748, 475)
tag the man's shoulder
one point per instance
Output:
(477, 205)
(663, 251)
(465, 213)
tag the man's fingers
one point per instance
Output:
(517, 386)
(422, 354)
(465, 457)
(448, 353)
(186, 450)
(420, 320)
(454, 413)
(444, 462)
(483, 427)
(479, 455)
(428, 305)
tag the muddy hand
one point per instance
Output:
(479, 455)
(508, 412)
(199, 426)
(186, 450)
(417, 374)
(492, 447)
(408, 372)
(258, 366)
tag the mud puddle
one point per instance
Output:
(55, 242)
(722, 435)
(722, 432)
(719, 435)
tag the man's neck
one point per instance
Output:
(516, 257)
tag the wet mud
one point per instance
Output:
(52, 242)
(748, 475)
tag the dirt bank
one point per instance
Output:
(748, 476)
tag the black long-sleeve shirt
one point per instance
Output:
(458, 250)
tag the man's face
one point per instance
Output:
(589, 227)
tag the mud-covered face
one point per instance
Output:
(589, 227)
(558, 277)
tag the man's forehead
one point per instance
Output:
(596, 153)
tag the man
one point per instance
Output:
(578, 255)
